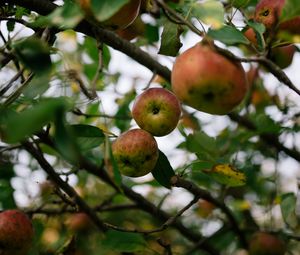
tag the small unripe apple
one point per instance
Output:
(157, 110)
(263, 243)
(136, 152)
(16, 233)
(208, 81)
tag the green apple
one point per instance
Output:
(263, 243)
(136, 152)
(16, 233)
(208, 81)
(157, 110)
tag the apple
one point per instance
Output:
(283, 55)
(136, 152)
(205, 208)
(16, 233)
(249, 33)
(125, 16)
(137, 28)
(268, 12)
(79, 222)
(208, 81)
(263, 243)
(157, 110)
(120, 20)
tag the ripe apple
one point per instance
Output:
(205, 208)
(16, 233)
(157, 110)
(268, 12)
(137, 28)
(283, 55)
(121, 19)
(208, 81)
(79, 222)
(263, 243)
(125, 16)
(135, 152)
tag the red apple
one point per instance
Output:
(79, 222)
(208, 81)
(205, 208)
(157, 111)
(125, 16)
(136, 152)
(263, 243)
(120, 20)
(268, 12)
(137, 28)
(283, 55)
(16, 233)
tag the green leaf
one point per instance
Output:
(200, 142)
(170, 39)
(116, 171)
(6, 195)
(291, 9)
(34, 53)
(64, 17)
(288, 209)
(259, 30)
(239, 3)
(105, 9)
(227, 174)
(18, 126)
(266, 124)
(210, 12)
(163, 171)
(124, 242)
(64, 139)
(229, 35)
(38, 86)
(88, 137)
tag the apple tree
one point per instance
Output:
(149, 127)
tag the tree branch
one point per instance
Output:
(201, 193)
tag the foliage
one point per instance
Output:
(67, 88)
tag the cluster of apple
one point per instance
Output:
(157, 112)
(268, 12)
(197, 81)
(16, 233)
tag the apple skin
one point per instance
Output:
(205, 208)
(137, 28)
(79, 222)
(125, 16)
(268, 12)
(157, 110)
(16, 233)
(283, 55)
(121, 19)
(263, 243)
(208, 81)
(136, 152)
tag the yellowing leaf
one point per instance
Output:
(210, 12)
(227, 174)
